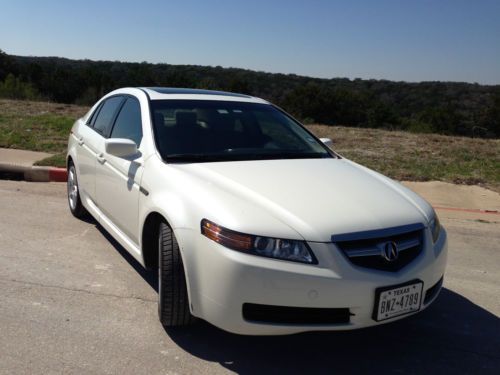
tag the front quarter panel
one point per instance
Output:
(184, 200)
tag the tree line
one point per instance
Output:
(454, 108)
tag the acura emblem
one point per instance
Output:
(390, 251)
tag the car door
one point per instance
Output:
(118, 178)
(86, 156)
(90, 139)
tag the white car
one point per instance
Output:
(253, 223)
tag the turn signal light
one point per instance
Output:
(226, 237)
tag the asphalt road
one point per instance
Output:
(73, 301)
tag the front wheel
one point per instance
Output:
(173, 301)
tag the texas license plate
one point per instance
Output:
(397, 300)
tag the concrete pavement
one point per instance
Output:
(22, 158)
(460, 202)
(73, 301)
(444, 194)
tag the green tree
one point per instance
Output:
(491, 120)
(14, 88)
(6, 65)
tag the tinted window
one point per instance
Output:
(128, 123)
(204, 130)
(93, 116)
(273, 126)
(103, 121)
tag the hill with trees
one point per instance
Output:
(433, 107)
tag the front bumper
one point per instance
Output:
(221, 281)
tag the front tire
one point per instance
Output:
(74, 201)
(173, 300)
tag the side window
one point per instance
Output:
(102, 123)
(128, 124)
(93, 116)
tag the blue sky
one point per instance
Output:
(409, 40)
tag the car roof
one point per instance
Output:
(159, 93)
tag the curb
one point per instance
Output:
(34, 174)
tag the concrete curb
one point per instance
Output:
(34, 173)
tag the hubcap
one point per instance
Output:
(72, 188)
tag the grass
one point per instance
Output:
(57, 160)
(45, 132)
(419, 157)
(45, 127)
(38, 126)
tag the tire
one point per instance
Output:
(173, 300)
(74, 201)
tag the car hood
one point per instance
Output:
(317, 198)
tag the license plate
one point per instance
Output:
(397, 300)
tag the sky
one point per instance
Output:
(401, 40)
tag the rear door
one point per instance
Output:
(90, 139)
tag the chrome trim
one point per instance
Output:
(379, 248)
(408, 244)
(377, 233)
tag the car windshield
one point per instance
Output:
(206, 130)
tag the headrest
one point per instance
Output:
(185, 118)
(159, 119)
(225, 123)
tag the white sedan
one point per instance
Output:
(252, 222)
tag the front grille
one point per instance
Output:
(433, 291)
(295, 315)
(366, 249)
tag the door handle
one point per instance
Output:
(80, 141)
(101, 159)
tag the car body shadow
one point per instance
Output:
(151, 277)
(452, 335)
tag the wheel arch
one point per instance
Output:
(69, 160)
(149, 239)
(149, 247)
(152, 212)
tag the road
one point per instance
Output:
(73, 301)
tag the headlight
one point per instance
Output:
(435, 228)
(291, 250)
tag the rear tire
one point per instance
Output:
(173, 300)
(74, 201)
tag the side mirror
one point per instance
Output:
(327, 141)
(120, 147)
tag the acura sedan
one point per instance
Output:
(253, 223)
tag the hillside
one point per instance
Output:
(451, 108)
(43, 126)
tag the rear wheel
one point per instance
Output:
(74, 201)
(173, 301)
